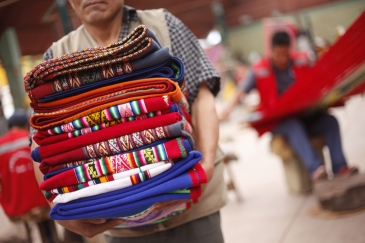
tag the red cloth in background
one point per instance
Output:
(334, 76)
(20, 192)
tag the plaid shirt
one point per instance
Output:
(184, 46)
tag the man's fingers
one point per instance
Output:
(95, 229)
(164, 204)
(169, 204)
(95, 221)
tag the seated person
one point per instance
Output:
(272, 77)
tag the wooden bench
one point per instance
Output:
(297, 176)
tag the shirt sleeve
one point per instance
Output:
(198, 68)
(48, 54)
(249, 83)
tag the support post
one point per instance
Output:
(62, 10)
(10, 56)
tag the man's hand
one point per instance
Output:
(89, 228)
(223, 115)
(167, 205)
(208, 167)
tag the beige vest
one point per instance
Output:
(214, 195)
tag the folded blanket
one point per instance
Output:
(107, 93)
(91, 124)
(151, 138)
(121, 175)
(140, 89)
(172, 69)
(52, 170)
(173, 149)
(136, 45)
(50, 139)
(43, 152)
(130, 142)
(112, 185)
(138, 198)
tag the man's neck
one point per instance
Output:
(107, 33)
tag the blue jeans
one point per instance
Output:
(298, 130)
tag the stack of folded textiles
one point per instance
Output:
(114, 133)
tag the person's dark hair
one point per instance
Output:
(280, 38)
(18, 119)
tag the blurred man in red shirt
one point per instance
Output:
(20, 192)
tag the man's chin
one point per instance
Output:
(96, 17)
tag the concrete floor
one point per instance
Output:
(269, 213)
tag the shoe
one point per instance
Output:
(319, 174)
(348, 170)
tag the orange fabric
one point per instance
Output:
(175, 96)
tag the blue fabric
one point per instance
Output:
(36, 156)
(297, 132)
(109, 212)
(134, 199)
(164, 70)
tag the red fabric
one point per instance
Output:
(40, 92)
(108, 133)
(267, 86)
(201, 172)
(20, 192)
(42, 140)
(194, 178)
(69, 178)
(152, 104)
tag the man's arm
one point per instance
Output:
(205, 123)
(206, 132)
